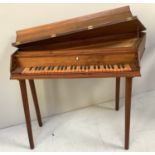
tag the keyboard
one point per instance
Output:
(77, 69)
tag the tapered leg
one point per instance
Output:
(35, 100)
(26, 111)
(117, 93)
(128, 93)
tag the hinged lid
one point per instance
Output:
(89, 23)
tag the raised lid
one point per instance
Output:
(72, 26)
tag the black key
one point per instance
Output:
(98, 67)
(88, 67)
(119, 66)
(58, 67)
(112, 66)
(62, 67)
(65, 68)
(52, 67)
(49, 67)
(81, 67)
(75, 67)
(94, 67)
(30, 68)
(42, 68)
(39, 68)
(123, 66)
(71, 67)
(36, 68)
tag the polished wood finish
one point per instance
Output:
(128, 92)
(113, 37)
(75, 41)
(117, 93)
(113, 49)
(35, 100)
(66, 27)
(26, 111)
(110, 52)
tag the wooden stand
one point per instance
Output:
(117, 93)
(26, 108)
(35, 100)
(128, 91)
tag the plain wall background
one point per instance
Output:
(57, 96)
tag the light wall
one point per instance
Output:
(57, 96)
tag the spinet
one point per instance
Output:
(105, 44)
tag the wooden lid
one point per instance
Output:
(78, 25)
